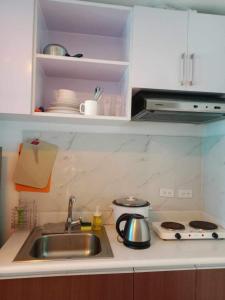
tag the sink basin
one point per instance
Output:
(66, 246)
(75, 245)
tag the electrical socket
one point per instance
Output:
(168, 193)
(185, 193)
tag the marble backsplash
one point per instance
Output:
(214, 177)
(98, 168)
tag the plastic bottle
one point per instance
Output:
(21, 215)
(97, 219)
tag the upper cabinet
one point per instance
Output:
(159, 48)
(169, 50)
(178, 50)
(101, 33)
(206, 52)
(16, 32)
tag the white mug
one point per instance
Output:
(89, 108)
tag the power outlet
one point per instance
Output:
(185, 193)
(168, 193)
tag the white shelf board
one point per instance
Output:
(81, 117)
(82, 68)
(101, 124)
(85, 17)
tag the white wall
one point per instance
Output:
(99, 167)
(214, 170)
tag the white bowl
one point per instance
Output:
(69, 105)
(67, 101)
(63, 93)
(64, 96)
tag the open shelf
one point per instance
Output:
(101, 32)
(84, 68)
(85, 17)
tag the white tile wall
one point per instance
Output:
(99, 167)
(214, 176)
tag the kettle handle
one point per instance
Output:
(123, 217)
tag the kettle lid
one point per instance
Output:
(131, 202)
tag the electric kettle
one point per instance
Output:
(136, 233)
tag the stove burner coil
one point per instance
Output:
(203, 225)
(172, 226)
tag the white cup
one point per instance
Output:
(89, 108)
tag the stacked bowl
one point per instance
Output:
(65, 102)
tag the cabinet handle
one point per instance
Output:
(191, 69)
(182, 68)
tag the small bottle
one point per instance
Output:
(20, 215)
(97, 219)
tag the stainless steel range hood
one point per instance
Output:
(182, 108)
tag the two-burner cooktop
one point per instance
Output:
(193, 230)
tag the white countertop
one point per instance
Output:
(162, 255)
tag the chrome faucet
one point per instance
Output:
(70, 222)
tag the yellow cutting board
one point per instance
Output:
(35, 164)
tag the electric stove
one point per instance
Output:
(193, 230)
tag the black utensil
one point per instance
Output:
(78, 55)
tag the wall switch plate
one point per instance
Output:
(168, 193)
(185, 193)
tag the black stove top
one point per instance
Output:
(203, 225)
(173, 226)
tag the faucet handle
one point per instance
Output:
(72, 199)
(77, 222)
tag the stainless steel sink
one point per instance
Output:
(66, 245)
(76, 245)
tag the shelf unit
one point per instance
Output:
(102, 34)
(90, 69)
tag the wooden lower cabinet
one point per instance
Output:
(85, 287)
(168, 285)
(210, 284)
(180, 285)
(165, 285)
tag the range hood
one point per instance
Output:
(180, 108)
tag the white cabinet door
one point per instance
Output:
(16, 36)
(207, 50)
(159, 41)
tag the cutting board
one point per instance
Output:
(24, 188)
(35, 164)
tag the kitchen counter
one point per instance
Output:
(162, 255)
